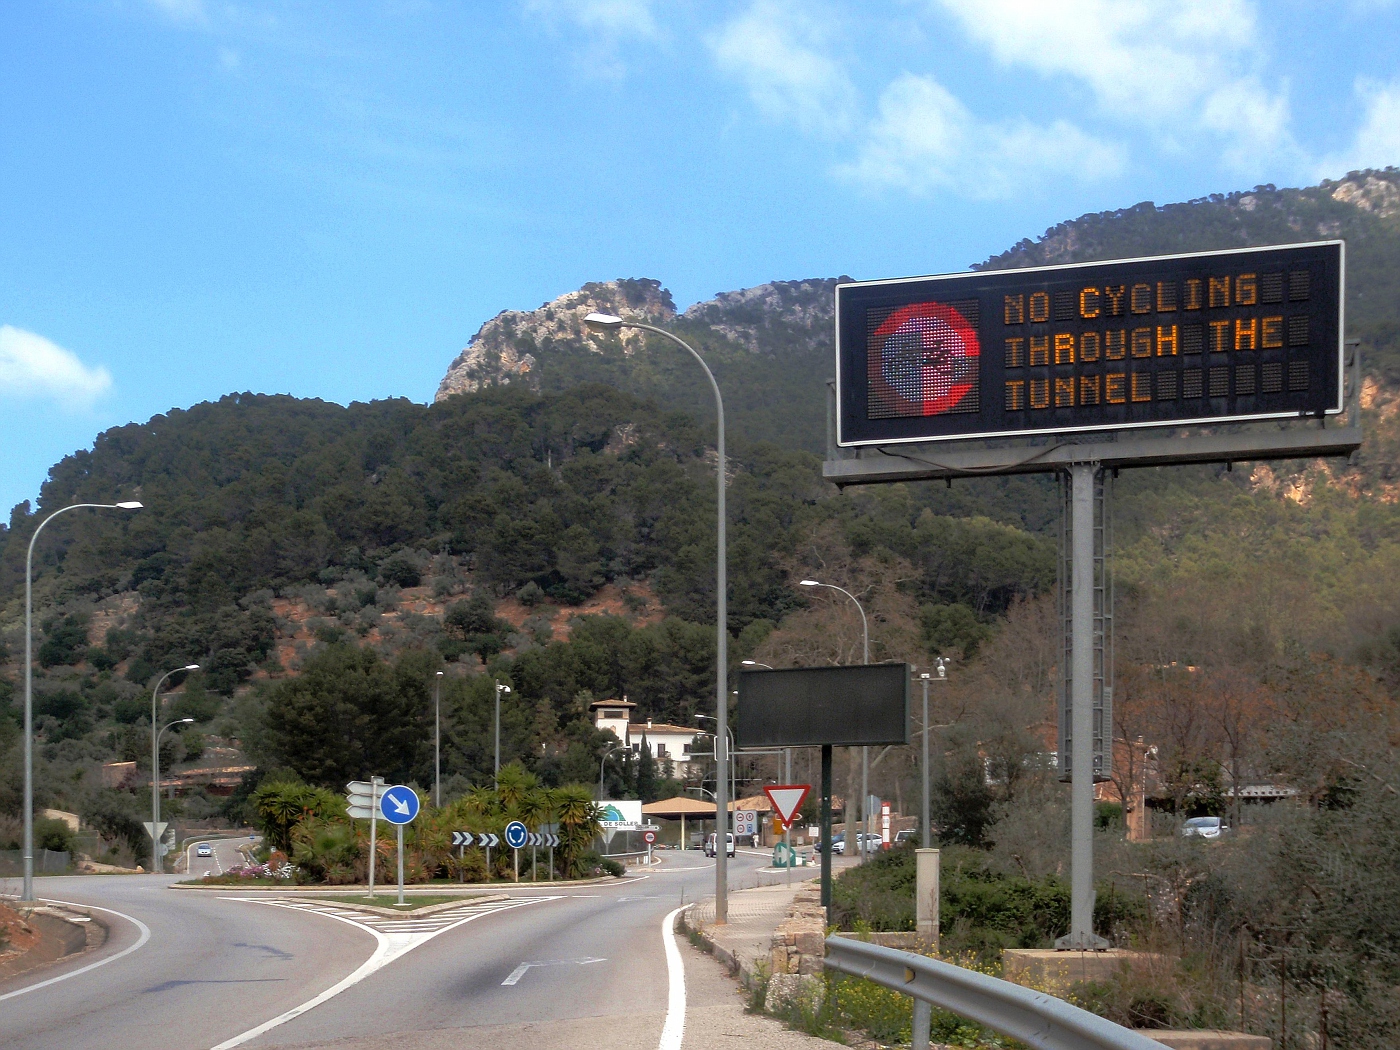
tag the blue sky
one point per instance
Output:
(328, 199)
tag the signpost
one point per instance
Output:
(1081, 370)
(516, 836)
(362, 803)
(399, 805)
(745, 823)
(649, 837)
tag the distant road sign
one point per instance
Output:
(159, 828)
(516, 834)
(549, 840)
(746, 822)
(398, 804)
(461, 838)
(787, 800)
(648, 837)
(488, 840)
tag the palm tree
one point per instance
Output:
(513, 784)
(579, 824)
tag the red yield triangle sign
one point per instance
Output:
(787, 800)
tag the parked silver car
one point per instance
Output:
(1204, 827)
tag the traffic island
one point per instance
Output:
(38, 936)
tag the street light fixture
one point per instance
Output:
(603, 791)
(755, 663)
(500, 688)
(864, 751)
(941, 672)
(28, 891)
(600, 322)
(155, 815)
(437, 741)
(155, 762)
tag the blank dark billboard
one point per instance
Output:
(812, 706)
(1188, 339)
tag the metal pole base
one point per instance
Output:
(1092, 943)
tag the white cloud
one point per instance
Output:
(775, 49)
(1377, 141)
(1171, 67)
(34, 367)
(925, 139)
(612, 19)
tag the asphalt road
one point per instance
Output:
(571, 964)
(225, 856)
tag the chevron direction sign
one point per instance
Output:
(488, 840)
(461, 838)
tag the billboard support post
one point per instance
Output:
(826, 831)
(1081, 927)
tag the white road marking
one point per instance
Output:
(525, 967)
(145, 936)
(673, 1031)
(391, 942)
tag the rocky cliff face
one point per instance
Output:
(508, 348)
(504, 350)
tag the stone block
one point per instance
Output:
(1053, 971)
(811, 942)
(788, 990)
(1207, 1039)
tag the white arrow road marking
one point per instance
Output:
(673, 1031)
(524, 967)
(145, 936)
(393, 936)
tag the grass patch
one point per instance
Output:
(391, 900)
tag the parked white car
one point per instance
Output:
(1204, 827)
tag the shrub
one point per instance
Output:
(611, 867)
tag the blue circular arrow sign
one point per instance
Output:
(516, 834)
(398, 804)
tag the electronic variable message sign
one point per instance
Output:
(1207, 338)
(810, 706)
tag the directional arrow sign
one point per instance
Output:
(461, 838)
(398, 804)
(160, 828)
(787, 799)
(362, 798)
(488, 840)
(516, 834)
(553, 841)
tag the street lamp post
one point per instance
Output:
(437, 740)
(787, 770)
(500, 688)
(155, 762)
(926, 829)
(157, 865)
(603, 791)
(864, 809)
(600, 322)
(28, 891)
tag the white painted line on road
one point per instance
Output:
(389, 945)
(673, 1031)
(525, 967)
(145, 936)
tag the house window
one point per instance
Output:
(660, 750)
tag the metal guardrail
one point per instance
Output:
(1035, 1018)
